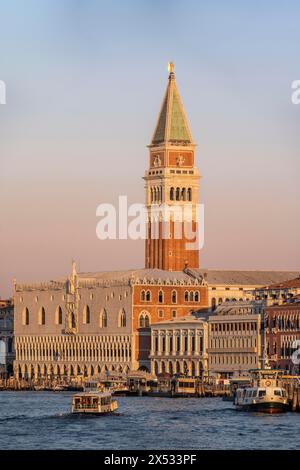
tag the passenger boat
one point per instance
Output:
(265, 395)
(173, 387)
(93, 400)
(96, 403)
(184, 387)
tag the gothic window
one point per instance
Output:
(42, 316)
(58, 316)
(186, 296)
(122, 318)
(174, 297)
(191, 296)
(143, 295)
(103, 319)
(160, 297)
(144, 320)
(177, 194)
(189, 194)
(86, 315)
(172, 194)
(197, 296)
(148, 296)
(25, 317)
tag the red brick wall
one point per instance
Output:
(182, 308)
(171, 254)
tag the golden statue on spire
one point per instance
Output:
(170, 67)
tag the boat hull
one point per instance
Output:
(267, 407)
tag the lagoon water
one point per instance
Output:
(42, 420)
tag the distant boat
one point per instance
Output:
(96, 403)
(60, 388)
(94, 400)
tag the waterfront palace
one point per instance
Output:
(89, 323)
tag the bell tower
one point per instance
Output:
(172, 187)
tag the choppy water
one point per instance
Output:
(42, 420)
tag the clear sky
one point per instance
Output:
(85, 80)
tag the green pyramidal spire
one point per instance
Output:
(172, 125)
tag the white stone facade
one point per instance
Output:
(179, 347)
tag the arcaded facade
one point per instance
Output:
(235, 342)
(179, 346)
(97, 322)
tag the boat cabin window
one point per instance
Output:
(105, 400)
(186, 384)
(277, 393)
(262, 393)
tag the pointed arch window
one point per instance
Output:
(86, 315)
(143, 296)
(160, 297)
(42, 316)
(58, 316)
(103, 319)
(186, 296)
(144, 320)
(174, 297)
(122, 318)
(147, 321)
(25, 316)
(191, 296)
(148, 296)
(197, 296)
